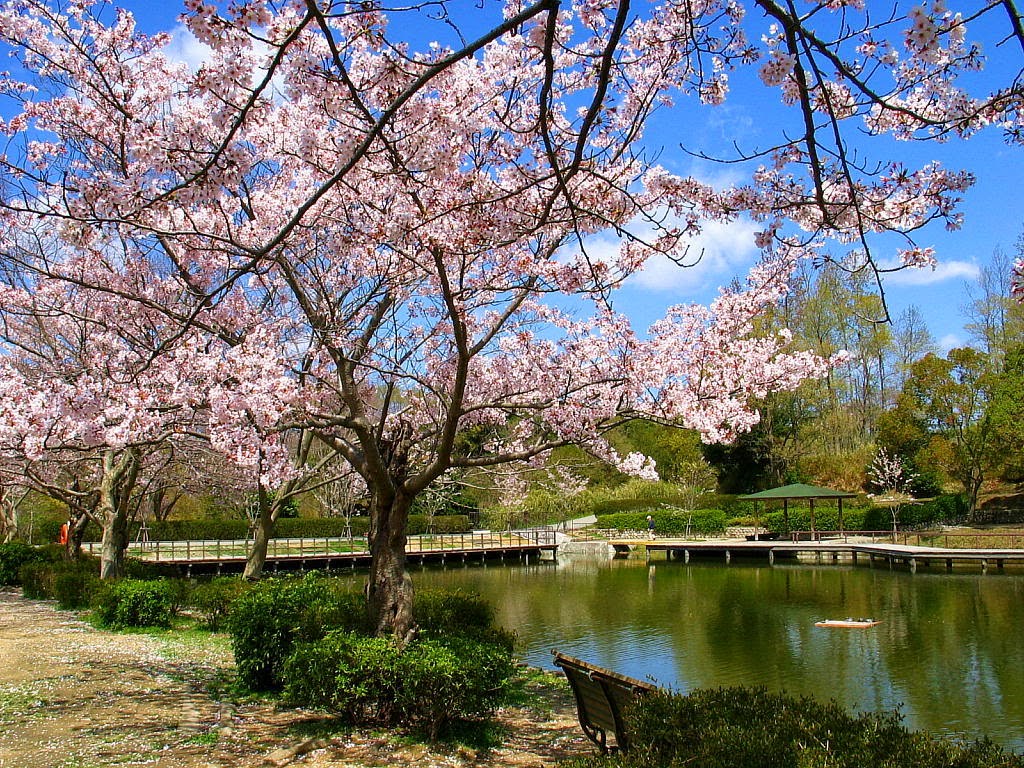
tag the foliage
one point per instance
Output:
(75, 587)
(446, 613)
(133, 603)
(667, 523)
(752, 728)
(826, 518)
(427, 684)
(215, 598)
(948, 508)
(271, 617)
(39, 578)
(12, 557)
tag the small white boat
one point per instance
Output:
(854, 623)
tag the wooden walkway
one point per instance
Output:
(826, 550)
(229, 555)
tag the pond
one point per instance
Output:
(949, 653)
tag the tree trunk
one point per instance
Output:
(389, 587)
(257, 556)
(119, 475)
(8, 517)
(114, 543)
(76, 533)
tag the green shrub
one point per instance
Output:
(751, 728)
(350, 674)
(132, 603)
(36, 580)
(319, 527)
(270, 618)
(826, 518)
(73, 588)
(427, 685)
(12, 557)
(420, 524)
(215, 598)
(39, 579)
(458, 678)
(667, 523)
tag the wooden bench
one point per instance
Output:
(601, 697)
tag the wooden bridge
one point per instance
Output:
(228, 555)
(822, 550)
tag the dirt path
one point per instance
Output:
(72, 696)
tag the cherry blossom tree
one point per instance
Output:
(392, 238)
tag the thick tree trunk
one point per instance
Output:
(119, 475)
(114, 544)
(389, 587)
(257, 556)
(8, 517)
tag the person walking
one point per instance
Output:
(650, 526)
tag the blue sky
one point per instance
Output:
(993, 208)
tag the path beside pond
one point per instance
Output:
(72, 696)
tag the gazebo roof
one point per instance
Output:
(798, 491)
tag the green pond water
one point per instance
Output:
(949, 652)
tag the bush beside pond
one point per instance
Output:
(752, 728)
(310, 639)
(703, 522)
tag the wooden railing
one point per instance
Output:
(944, 539)
(238, 549)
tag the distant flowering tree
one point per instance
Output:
(889, 473)
(337, 233)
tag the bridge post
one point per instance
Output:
(728, 556)
(949, 563)
(771, 557)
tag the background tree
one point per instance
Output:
(953, 395)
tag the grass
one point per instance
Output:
(18, 703)
(965, 539)
(207, 739)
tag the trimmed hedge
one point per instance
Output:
(131, 603)
(274, 615)
(949, 508)
(71, 583)
(310, 638)
(12, 557)
(426, 685)
(752, 728)
(703, 522)
(215, 599)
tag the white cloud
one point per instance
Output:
(719, 253)
(186, 48)
(948, 342)
(944, 270)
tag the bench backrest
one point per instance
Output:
(601, 697)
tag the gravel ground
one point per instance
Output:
(72, 696)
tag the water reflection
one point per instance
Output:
(948, 652)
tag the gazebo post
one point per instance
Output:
(799, 491)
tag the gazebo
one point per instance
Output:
(799, 491)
